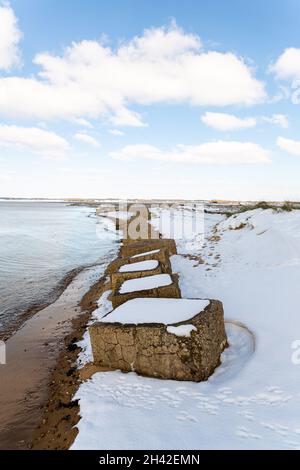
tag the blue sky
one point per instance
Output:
(134, 98)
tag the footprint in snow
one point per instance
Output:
(245, 433)
(186, 417)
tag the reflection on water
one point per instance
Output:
(40, 242)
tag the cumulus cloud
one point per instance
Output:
(289, 145)
(287, 66)
(278, 120)
(45, 143)
(163, 65)
(87, 139)
(10, 37)
(227, 122)
(210, 153)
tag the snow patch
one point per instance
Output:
(146, 253)
(145, 283)
(181, 330)
(141, 266)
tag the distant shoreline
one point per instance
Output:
(94, 202)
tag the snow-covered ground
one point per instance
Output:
(251, 262)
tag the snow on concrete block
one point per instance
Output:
(141, 336)
(160, 255)
(145, 283)
(152, 252)
(181, 330)
(136, 270)
(139, 266)
(152, 310)
(160, 285)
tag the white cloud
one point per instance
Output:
(289, 145)
(45, 143)
(10, 37)
(164, 65)
(287, 66)
(278, 120)
(116, 132)
(83, 122)
(87, 139)
(125, 117)
(227, 122)
(210, 153)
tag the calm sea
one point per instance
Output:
(40, 243)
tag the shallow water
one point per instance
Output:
(40, 243)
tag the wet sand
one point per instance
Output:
(32, 354)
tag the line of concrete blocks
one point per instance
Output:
(138, 252)
(155, 348)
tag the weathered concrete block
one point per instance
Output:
(184, 350)
(141, 246)
(131, 289)
(160, 255)
(149, 233)
(138, 227)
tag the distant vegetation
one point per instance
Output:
(289, 206)
(286, 206)
(259, 205)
